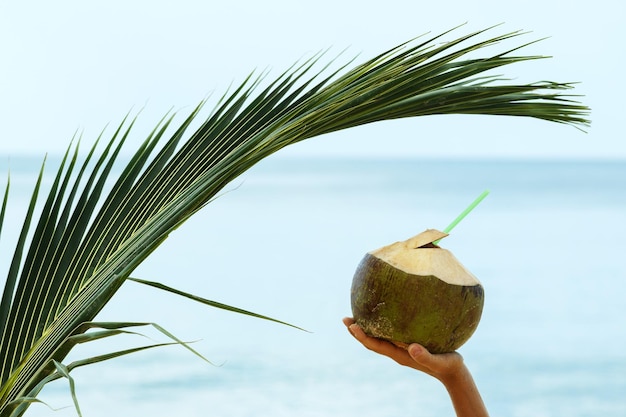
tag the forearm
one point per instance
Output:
(464, 394)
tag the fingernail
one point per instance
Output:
(415, 350)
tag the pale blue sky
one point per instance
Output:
(75, 64)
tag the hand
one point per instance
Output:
(440, 366)
(446, 367)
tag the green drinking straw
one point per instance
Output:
(464, 213)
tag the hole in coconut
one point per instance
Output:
(428, 245)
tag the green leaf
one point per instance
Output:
(64, 372)
(207, 302)
(93, 230)
(11, 281)
(4, 203)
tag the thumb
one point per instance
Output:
(423, 359)
(435, 363)
(427, 360)
(420, 354)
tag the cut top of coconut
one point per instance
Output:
(413, 258)
(424, 238)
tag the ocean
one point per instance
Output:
(284, 240)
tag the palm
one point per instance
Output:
(85, 244)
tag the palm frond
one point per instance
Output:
(205, 301)
(5, 198)
(18, 406)
(86, 242)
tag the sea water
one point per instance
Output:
(548, 245)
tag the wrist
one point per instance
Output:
(463, 392)
(456, 377)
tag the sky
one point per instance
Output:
(75, 65)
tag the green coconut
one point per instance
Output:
(416, 292)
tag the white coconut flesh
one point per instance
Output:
(419, 256)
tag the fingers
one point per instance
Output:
(414, 355)
(354, 329)
(367, 341)
(380, 346)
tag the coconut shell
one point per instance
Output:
(416, 292)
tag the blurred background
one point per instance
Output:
(547, 243)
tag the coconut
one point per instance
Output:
(416, 292)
